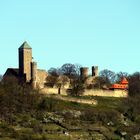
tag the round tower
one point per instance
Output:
(84, 72)
(34, 74)
(94, 71)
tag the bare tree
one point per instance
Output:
(134, 84)
(121, 75)
(101, 82)
(51, 80)
(1, 78)
(58, 81)
(77, 69)
(54, 71)
(59, 77)
(78, 87)
(68, 69)
(71, 70)
(108, 75)
(61, 82)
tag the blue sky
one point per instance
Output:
(89, 32)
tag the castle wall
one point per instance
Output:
(53, 91)
(106, 93)
(103, 93)
(41, 78)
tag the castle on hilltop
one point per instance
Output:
(27, 71)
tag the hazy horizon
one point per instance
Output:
(101, 33)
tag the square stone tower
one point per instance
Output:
(25, 60)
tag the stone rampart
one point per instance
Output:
(104, 93)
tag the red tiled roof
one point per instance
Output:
(124, 81)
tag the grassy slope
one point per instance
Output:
(92, 124)
(54, 119)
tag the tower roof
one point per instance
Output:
(25, 45)
(124, 81)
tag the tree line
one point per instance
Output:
(70, 73)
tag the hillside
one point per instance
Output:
(27, 115)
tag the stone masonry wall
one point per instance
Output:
(104, 93)
(41, 78)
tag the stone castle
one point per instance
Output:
(27, 71)
(30, 74)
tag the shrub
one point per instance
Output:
(37, 127)
(132, 107)
(100, 116)
(17, 99)
(137, 119)
(78, 88)
(47, 104)
(134, 84)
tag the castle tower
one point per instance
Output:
(25, 59)
(95, 71)
(34, 74)
(84, 72)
